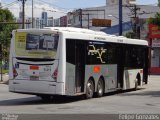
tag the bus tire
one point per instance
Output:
(89, 89)
(100, 88)
(138, 78)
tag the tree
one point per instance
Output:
(156, 18)
(130, 34)
(5, 32)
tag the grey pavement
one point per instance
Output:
(145, 100)
(5, 78)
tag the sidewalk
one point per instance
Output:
(5, 79)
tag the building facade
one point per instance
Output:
(63, 21)
(57, 22)
(154, 42)
(44, 21)
(83, 17)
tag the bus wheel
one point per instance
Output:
(89, 89)
(100, 88)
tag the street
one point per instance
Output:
(144, 100)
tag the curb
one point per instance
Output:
(5, 79)
(5, 82)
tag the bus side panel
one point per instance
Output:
(130, 78)
(108, 72)
(70, 79)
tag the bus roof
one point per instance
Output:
(94, 35)
(100, 36)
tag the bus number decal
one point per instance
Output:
(47, 68)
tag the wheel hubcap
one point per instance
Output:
(100, 88)
(90, 89)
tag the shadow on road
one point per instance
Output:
(68, 99)
(37, 100)
(55, 100)
(20, 101)
(144, 93)
(120, 92)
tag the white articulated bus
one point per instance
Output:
(74, 61)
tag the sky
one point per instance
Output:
(56, 8)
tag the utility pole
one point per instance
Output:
(134, 9)
(23, 12)
(136, 18)
(80, 10)
(1, 55)
(32, 14)
(88, 20)
(120, 17)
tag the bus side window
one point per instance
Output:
(134, 57)
(70, 51)
(111, 54)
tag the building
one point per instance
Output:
(63, 21)
(154, 42)
(115, 2)
(50, 22)
(44, 19)
(83, 17)
(37, 22)
(28, 22)
(57, 22)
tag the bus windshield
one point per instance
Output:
(29, 45)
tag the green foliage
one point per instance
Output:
(5, 30)
(155, 20)
(5, 71)
(130, 35)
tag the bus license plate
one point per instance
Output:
(34, 78)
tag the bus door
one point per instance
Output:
(80, 66)
(120, 71)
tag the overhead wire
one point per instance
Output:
(10, 4)
(51, 4)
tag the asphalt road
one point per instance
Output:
(144, 100)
